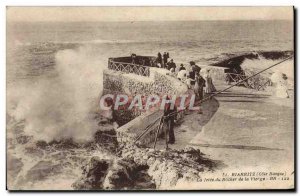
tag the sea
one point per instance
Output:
(54, 76)
(32, 46)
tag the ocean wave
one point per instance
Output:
(224, 59)
(51, 44)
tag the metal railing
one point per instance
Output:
(129, 68)
(125, 65)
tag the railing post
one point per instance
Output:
(109, 64)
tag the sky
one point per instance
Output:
(74, 14)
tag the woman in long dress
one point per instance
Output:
(281, 87)
(210, 87)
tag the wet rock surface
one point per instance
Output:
(37, 164)
(93, 174)
(126, 174)
(166, 168)
(117, 174)
(144, 168)
(102, 164)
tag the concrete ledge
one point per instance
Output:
(128, 133)
(246, 120)
(159, 83)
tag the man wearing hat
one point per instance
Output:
(195, 71)
(196, 67)
(181, 67)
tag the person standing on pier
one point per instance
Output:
(171, 65)
(195, 67)
(192, 77)
(170, 120)
(165, 60)
(281, 85)
(210, 87)
(159, 58)
(182, 67)
(199, 85)
(192, 74)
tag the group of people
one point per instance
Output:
(198, 81)
(193, 78)
(195, 81)
(162, 62)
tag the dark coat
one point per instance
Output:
(201, 81)
(182, 68)
(171, 65)
(192, 75)
(165, 58)
(159, 58)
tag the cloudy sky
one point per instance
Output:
(69, 14)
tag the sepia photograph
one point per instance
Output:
(150, 98)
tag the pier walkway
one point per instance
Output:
(242, 128)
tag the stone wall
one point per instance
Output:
(159, 83)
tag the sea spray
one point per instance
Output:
(60, 107)
(286, 67)
(255, 65)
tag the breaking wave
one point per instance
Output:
(60, 107)
(286, 67)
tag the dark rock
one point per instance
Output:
(193, 154)
(119, 179)
(275, 55)
(41, 144)
(23, 139)
(126, 174)
(106, 138)
(93, 174)
(64, 144)
(115, 175)
(102, 121)
(143, 181)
